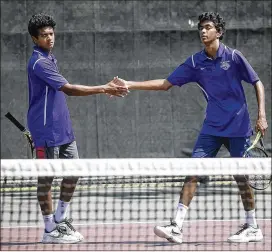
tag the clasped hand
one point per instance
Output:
(116, 87)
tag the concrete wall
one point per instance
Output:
(136, 40)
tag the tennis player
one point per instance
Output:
(218, 70)
(50, 124)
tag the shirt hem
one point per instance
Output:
(248, 134)
(47, 143)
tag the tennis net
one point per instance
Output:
(118, 202)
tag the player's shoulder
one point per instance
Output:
(38, 59)
(233, 53)
(36, 55)
(193, 59)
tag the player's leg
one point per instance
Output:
(52, 233)
(68, 184)
(250, 230)
(44, 194)
(45, 202)
(206, 146)
(67, 189)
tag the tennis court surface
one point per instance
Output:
(117, 203)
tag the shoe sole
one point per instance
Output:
(57, 242)
(166, 236)
(241, 241)
(60, 242)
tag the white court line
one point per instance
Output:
(136, 222)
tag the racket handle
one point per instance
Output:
(15, 122)
(261, 142)
(259, 138)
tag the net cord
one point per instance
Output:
(135, 167)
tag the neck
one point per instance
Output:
(43, 49)
(211, 48)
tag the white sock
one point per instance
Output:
(250, 217)
(180, 214)
(61, 211)
(49, 222)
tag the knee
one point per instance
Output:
(240, 180)
(243, 185)
(69, 182)
(191, 179)
(44, 183)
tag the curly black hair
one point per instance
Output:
(218, 21)
(38, 21)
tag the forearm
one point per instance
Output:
(82, 90)
(159, 84)
(260, 95)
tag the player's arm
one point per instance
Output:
(183, 74)
(248, 74)
(82, 90)
(46, 71)
(261, 124)
(159, 84)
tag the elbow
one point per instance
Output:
(69, 93)
(67, 89)
(166, 85)
(164, 89)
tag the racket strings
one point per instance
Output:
(259, 181)
(256, 152)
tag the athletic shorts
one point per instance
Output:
(208, 145)
(63, 151)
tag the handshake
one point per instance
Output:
(116, 87)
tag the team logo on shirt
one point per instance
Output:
(225, 65)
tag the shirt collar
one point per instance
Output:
(219, 52)
(41, 51)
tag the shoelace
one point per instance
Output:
(243, 227)
(62, 229)
(172, 223)
(68, 223)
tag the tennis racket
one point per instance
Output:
(24, 131)
(258, 182)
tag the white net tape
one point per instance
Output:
(135, 167)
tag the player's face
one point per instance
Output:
(208, 32)
(46, 38)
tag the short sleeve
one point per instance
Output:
(245, 70)
(183, 74)
(46, 71)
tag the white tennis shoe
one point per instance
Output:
(170, 232)
(247, 233)
(60, 235)
(67, 223)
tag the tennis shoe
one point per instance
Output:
(67, 223)
(247, 233)
(60, 234)
(170, 232)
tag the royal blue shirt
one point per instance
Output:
(48, 115)
(220, 81)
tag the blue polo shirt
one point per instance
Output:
(220, 81)
(48, 116)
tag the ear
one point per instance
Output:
(35, 40)
(219, 33)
